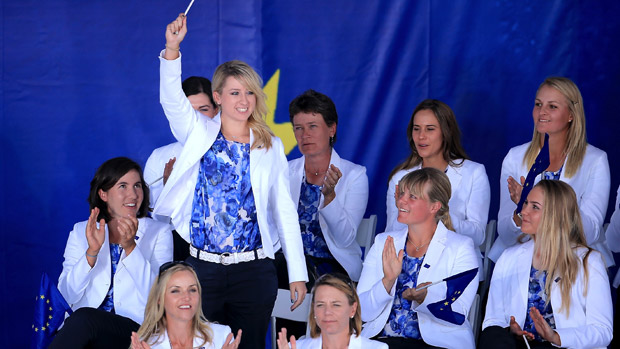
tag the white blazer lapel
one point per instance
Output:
(524, 258)
(455, 176)
(433, 253)
(296, 177)
(256, 155)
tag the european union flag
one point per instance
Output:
(540, 164)
(456, 284)
(49, 313)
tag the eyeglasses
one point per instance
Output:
(169, 265)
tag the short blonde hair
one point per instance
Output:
(343, 284)
(155, 323)
(433, 185)
(576, 142)
(253, 82)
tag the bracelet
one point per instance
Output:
(90, 255)
(173, 49)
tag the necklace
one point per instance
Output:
(417, 248)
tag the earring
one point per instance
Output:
(331, 140)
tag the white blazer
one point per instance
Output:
(448, 254)
(340, 219)
(355, 342)
(220, 332)
(591, 184)
(154, 168)
(83, 286)
(589, 324)
(612, 234)
(277, 218)
(469, 202)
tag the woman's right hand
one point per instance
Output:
(392, 263)
(517, 331)
(95, 236)
(229, 343)
(175, 33)
(282, 343)
(515, 189)
(136, 343)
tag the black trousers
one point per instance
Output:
(239, 295)
(404, 343)
(180, 251)
(499, 337)
(93, 328)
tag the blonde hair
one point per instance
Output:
(253, 82)
(433, 185)
(343, 284)
(559, 233)
(576, 142)
(155, 322)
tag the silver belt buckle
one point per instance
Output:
(224, 255)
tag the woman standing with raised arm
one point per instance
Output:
(229, 195)
(558, 111)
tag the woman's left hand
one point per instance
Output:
(543, 328)
(332, 177)
(298, 293)
(127, 228)
(230, 343)
(415, 295)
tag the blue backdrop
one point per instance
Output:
(80, 85)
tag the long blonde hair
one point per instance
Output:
(438, 189)
(559, 233)
(253, 82)
(155, 323)
(343, 284)
(576, 142)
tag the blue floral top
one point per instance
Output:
(308, 211)
(552, 175)
(537, 298)
(403, 320)
(115, 256)
(223, 210)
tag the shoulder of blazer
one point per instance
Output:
(593, 154)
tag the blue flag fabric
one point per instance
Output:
(540, 164)
(455, 284)
(49, 313)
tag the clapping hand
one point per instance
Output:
(283, 343)
(229, 343)
(94, 235)
(415, 295)
(517, 331)
(392, 263)
(543, 328)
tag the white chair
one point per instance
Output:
(366, 233)
(489, 238)
(474, 314)
(282, 310)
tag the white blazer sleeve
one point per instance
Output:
(613, 231)
(373, 296)
(75, 275)
(477, 208)
(497, 314)
(598, 330)
(507, 230)
(344, 214)
(390, 206)
(594, 199)
(143, 270)
(181, 116)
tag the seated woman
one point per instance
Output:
(394, 306)
(435, 141)
(111, 260)
(612, 235)
(330, 192)
(335, 320)
(173, 316)
(558, 111)
(551, 287)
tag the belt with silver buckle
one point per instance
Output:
(227, 258)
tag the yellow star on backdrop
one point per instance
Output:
(284, 130)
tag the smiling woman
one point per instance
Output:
(111, 260)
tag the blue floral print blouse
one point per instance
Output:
(308, 211)
(403, 319)
(223, 210)
(537, 298)
(115, 256)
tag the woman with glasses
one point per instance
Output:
(173, 315)
(335, 320)
(111, 260)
